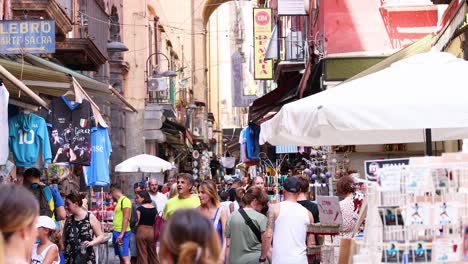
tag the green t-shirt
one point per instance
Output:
(123, 202)
(245, 247)
(175, 203)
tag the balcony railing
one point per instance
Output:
(166, 97)
(292, 38)
(96, 24)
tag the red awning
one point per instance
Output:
(286, 92)
(305, 79)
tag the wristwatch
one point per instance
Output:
(261, 260)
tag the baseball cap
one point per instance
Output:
(45, 221)
(291, 184)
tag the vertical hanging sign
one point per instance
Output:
(262, 22)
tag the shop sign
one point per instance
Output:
(372, 167)
(291, 7)
(32, 36)
(329, 210)
(262, 22)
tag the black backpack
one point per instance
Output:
(39, 193)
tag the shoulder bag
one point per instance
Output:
(252, 226)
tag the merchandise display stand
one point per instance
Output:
(418, 213)
(321, 252)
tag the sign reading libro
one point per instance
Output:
(262, 21)
(33, 36)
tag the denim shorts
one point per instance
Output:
(121, 250)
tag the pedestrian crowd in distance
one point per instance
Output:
(189, 221)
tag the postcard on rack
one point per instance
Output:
(421, 251)
(418, 214)
(418, 180)
(391, 215)
(447, 249)
(446, 213)
(392, 252)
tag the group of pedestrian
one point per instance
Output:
(206, 225)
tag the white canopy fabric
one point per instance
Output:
(144, 163)
(394, 105)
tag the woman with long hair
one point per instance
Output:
(211, 208)
(172, 191)
(20, 210)
(244, 245)
(189, 237)
(47, 250)
(82, 231)
(146, 213)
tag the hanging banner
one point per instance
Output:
(32, 36)
(239, 98)
(262, 22)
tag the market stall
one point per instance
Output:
(394, 105)
(418, 99)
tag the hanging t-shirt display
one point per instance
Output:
(4, 95)
(69, 127)
(98, 173)
(27, 132)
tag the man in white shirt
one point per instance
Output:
(287, 226)
(159, 199)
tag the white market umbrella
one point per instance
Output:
(395, 105)
(144, 163)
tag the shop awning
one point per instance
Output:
(92, 86)
(38, 80)
(173, 127)
(285, 92)
(14, 82)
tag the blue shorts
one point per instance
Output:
(123, 249)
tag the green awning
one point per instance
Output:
(420, 46)
(39, 80)
(86, 82)
(338, 69)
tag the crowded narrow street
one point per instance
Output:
(233, 131)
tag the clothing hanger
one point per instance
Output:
(26, 111)
(69, 92)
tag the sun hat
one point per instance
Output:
(47, 222)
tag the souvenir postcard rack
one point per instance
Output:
(418, 213)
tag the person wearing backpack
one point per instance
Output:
(51, 203)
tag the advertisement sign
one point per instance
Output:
(372, 167)
(262, 22)
(329, 210)
(291, 7)
(33, 36)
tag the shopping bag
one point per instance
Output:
(228, 162)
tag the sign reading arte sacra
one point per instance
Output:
(33, 36)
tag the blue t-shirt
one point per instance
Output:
(58, 200)
(98, 173)
(27, 132)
